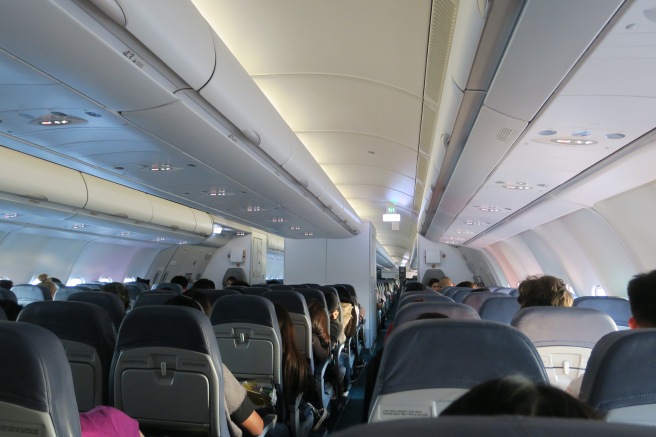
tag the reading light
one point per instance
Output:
(217, 229)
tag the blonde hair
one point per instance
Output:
(42, 277)
(45, 281)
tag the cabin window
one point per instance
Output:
(275, 266)
(598, 290)
(105, 279)
(129, 279)
(75, 280)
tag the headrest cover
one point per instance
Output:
(293, 301)
(332, 301)
(452, 310)
(244, 309)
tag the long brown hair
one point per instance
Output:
(319, 320)
(296, 371)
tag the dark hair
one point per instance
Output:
(414, 286)
(544, 291)
(181, 280)
(432, 281)
(319, 320)
(11, 308)
(642, 299)
(204, 284)
(296, 371)
(424, 316)
(6, 283)
(468, 284)
(118, 289)
(519, 396)
(200, 297)
(184, 301)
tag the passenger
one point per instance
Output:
(434, 284)
(47, 284)
(143, 281)
(181, 281)
(337, 337)
(445, 282)
(240, 409)
(228, 282)
(296, 377)
(518, 396)
(118, 289)
(11, 308)
(204, 284)
(414, 286)
(544, 291)
(201, 298)
(321, 342)
(6, 284)
(467, 284)
(104, 421)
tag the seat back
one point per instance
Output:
(108, 301)
(89, 339)
(621, 377)
(247, 332)
(280, 287)
(616, 307)
(350, 290)
(149, 298)
(430, 274)
(451, 291)
(254, 291)
(429, 296)
(64, 293)
(295, 304)
(564, 337)
(476, 299)
(236, 272)
(133, 292)
(95, 286)
(427, 364)
(214, 295)
(26, 293)
(170, 286)
(167, 371)
(36, 387)
(452, 310)
(500, 309)
(460, 295)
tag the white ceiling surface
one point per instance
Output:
(348, 78)
(611, 91)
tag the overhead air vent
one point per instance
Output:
(443, 21)
(504, 134)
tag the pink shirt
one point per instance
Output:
(104, 421)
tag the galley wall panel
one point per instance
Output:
(221, 260)
(452, 262)
(631, 215)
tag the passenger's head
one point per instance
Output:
(184, 301)
(204, 284)
(295, 366)
(544, 291)
(6, 283)
(414, 286)
(11, 308)
(319, 320)
(118, 289)
(468, 284)
(434, 284)
(642, 298)
(180, 280)
(518, 396)
(47, 284)
(445, 282)
(202, 299)
(42, 277)
(332, 303)
(431, 315)
(231, 280)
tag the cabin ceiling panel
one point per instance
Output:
(17, 73)
(361, 175)
(383, 194)
(332, 147)
(302, 37)
(330, 103)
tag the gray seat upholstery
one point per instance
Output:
(564, 337)
(64, 293)
(496, 426)
(452, 310)
(616, 307)
(248, 336)
(254, 291)
(621, 377)
(429, 296)
(133, 292)
(430, 274)
(26, 294)
(460, 295)
(153, 298)
(451, 291)
(88, 337)
(500, 309)
(214, 295)
(36, 387)
(236, 272)
(280, 287)
(3, 315)
(108, 301)
(167, 372)
(177, 288)
(427, 364)
(476, 299)
(8, 295)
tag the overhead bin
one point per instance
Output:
(117, 200)
(37, 179)
(204, 222)
(172, 215)
(189, 50)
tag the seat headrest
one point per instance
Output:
(167, 326)
(621, 370)
(563, 326)
(456, 354)
(496, 426)
(452, 310)
(291, 300)
(244, 309)
(110, 302)
(616, 307)
(8, 295)
(37, 376)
